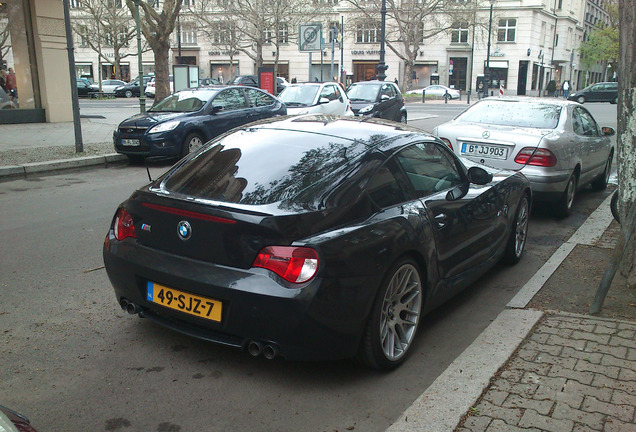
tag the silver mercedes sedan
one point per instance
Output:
(556, 144)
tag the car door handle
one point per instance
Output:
(440, 220)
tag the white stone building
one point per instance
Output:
(532, 42)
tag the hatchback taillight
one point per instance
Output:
(536, 156)
(294, 264)
(123, 225)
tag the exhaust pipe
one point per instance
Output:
(123, 303)
(132, 308)
(270, 352)
(254, 348)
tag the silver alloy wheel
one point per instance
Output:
(403, 118)
(521, 229)
(401, 310)
(128, 94)
(580, 99)
(194, 144)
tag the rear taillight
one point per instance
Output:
(536, 156)
(294, 264)
(447, 142)
(123, 225)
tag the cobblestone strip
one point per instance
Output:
(573, 373)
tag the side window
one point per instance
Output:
(258, 98)
(383, 187)
(577, 124)
(429, 168)
(328, 92)
(337, 92)
(230, 99)
(387, 90)
(590, 128)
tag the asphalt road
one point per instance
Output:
(73, 361)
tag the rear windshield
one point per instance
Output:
(513, 113)
(263, 166)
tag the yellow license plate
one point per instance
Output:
(188, 303)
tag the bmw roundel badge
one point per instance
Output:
(184, 230)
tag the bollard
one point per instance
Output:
(446, 96)
(423, 96)
(468, 98)
(460, 95)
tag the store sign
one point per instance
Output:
(221, 53)
(367, 52)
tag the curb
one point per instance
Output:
(442, 405)
(58, 165)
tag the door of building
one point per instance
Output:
(523, 77)
(457, 79)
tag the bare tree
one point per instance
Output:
(626, 144)
(411, 23)
(5, 41)
(106, 24)
(157, 26)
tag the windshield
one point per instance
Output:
(513, 113)
(185, 101)
(301, 95)
(363, 93)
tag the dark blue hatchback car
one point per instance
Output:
(184, 121)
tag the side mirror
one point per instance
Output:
(216, 109)
(479, 176)
(608, 131)
(456, 193)
(384, 97)
(323, 100)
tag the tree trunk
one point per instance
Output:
(627, 127)
(161, 49)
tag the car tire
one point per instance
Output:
(403, 118)
(566, 201)
(518, 233)
(388, 335)
(580, 99)
(128, 93)
(192, 143)
(600, 183)
(614, 101)
(614, 206)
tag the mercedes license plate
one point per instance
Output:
(484, 150)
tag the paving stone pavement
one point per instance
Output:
(573, 373)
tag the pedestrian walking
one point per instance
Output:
(10, 84)
(566, 89)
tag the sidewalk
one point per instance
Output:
(545, 364)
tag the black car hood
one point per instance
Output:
(148, 119)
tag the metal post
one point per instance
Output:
(487, 74)
(343, 78)
(334, 31)
(179, 39)
(310, 60)
(382, 67)
(142, 95)
(79, 144)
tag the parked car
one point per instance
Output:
(316, 98)
(557, 144)
(281, 84)
(11, 421)
(599, 92)
(108, 86)
(379, 99)
(246, 80)
(203, 82)
(84, 88)
(436, 90)
(313, 237)
(183, 121)
(132, 88)
(150, 89)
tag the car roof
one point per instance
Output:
(355, 129)
(530, 99)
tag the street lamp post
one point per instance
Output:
(487, 73)
(382, 67)
(142, 95)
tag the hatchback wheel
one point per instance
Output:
(128, 94)
(394, 317)
(600, 183)
(192, 143)
(518, 233)
(580, 99)
(564, 205)
(403, 118)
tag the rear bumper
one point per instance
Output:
(322, 320)
(546, 183)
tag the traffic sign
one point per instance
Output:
(310, 37)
